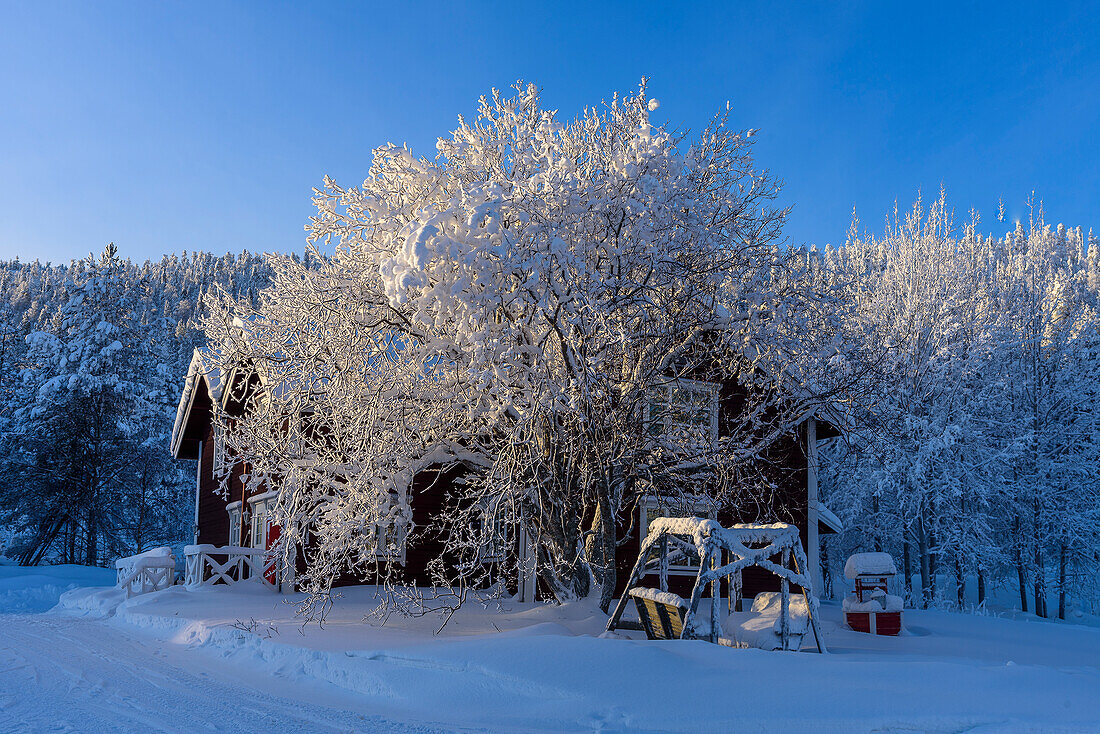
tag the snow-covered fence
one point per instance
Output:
(152, 570)
(229, 564)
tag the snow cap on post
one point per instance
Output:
(869, 564)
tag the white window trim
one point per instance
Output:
(234, 510)
(381, 550)
(651, 502)
(494, 544)
(219, 455)
(712, 388)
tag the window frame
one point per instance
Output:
(381, 549)
(234, 510)
(494, 543)
(258, 525)
(712, 389)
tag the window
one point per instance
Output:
(652, 507)
(494, 539)
(234, 523)
(390, 543)
(684, 411)
(220, 469)
(258, 528)
(260, 524)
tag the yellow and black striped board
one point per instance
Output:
(661, 621)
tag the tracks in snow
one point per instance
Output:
(60, 674)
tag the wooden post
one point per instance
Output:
(810, 609)
(696, 595)
(813, 545)
(634, 576)
(785, 605)
(663, 545)
(729, 582)
(737, 591)
(715, 595)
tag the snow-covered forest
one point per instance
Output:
(978, 458)
(91, 357)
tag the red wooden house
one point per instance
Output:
(240, 519)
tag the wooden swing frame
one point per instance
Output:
(723, 552)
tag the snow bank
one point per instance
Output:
(769, 604)
(91, 601)
(761, 626)
(26, 589)
(869, 564)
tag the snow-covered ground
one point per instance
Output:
(65, 673)
(205, 656)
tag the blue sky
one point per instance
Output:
(204, 126)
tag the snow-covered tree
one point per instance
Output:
(515, 307)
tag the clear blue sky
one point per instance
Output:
(195, 125)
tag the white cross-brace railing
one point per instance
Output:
(150, 571)
(239, 564)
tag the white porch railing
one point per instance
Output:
(152, 570)
(228, 564)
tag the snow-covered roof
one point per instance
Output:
(829, 518)
(201, 369)
(869, 564)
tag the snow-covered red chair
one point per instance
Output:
(871, 608)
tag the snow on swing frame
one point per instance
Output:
(744, 546)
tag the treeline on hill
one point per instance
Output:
(91, 358)
(980, 460)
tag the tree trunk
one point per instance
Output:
(1040, 590)
(981, 587)
(1021, 572)
(907, 566)
(45, 537)
(601, 549)
(925, 565)
(1062, 580)
(91, 550)
(70, 551)
(878, 535)
(933, 566)
(1021, 577)
(960, 584)
(1040, 583)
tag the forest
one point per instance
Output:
(91, 358)
(978, 458)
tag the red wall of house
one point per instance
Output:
(213, 519)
